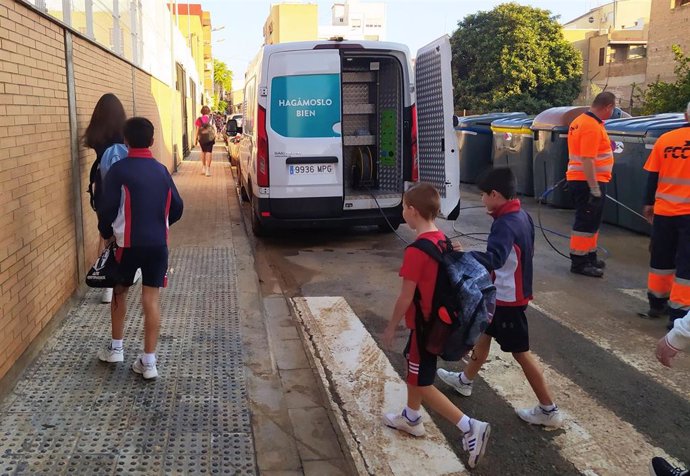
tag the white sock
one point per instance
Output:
(464, 379)
(116, 344)
(410, 414)
(548, 408)
(464, 424)
(147, 359)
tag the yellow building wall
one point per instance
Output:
(193, 31)
(292, 22)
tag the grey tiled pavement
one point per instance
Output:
(71, 414)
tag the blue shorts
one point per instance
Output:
(152, 260)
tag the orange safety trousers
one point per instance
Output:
(669, 273)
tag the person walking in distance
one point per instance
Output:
(589, 171)
(206, 138)
(509, 254)
(104, 130)
(668, 210)
(139, 204)
(421, 205)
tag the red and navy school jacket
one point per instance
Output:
(509, 254)
(139, 201)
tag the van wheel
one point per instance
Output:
(386, 228)
(243, 191)
(257, 227)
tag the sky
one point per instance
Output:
(412, 22)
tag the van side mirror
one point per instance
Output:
(232, 127)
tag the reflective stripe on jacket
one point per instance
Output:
(670, 158)
(588, 140)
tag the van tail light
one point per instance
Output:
(262, 150)
(413, 146)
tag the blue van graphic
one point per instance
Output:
(305, 105)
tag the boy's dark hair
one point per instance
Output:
(502, 180)
(138, 132)
(425, 199)
(604, 99)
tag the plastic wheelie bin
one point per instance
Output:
(550, 160)
(633, 140)
(512, 147)
(474, 143)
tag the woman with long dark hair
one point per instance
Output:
(104, 130)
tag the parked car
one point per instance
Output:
(233, 134)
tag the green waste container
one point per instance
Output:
(512, 148)
(550, 159)
(474, 143)
(633, 140)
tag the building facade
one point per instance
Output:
(613, 41)
(669, 25)
(291, 22)
(354, 20)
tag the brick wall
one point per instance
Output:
(667, 26)
(96, 72)
(37, 239)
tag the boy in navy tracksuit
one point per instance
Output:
(139, 203)
(508, 256)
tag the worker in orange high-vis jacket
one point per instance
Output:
(668, 210)
(589, 170)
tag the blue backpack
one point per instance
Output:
(462, 306)
(100, 168)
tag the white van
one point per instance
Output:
(330, 133)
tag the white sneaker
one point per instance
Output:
(137, 276)
(149, 371)
(108, 354)
(453, 379)
(107, 295)
(203, 170)
(539, 416)
(399, 421)
(475, 441)
(208, 171)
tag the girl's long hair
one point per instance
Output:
(107, 120)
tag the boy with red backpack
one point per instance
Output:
(421, 205)
(508, 256)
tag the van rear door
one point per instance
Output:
(303, 124)
(436, 140)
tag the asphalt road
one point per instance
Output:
(598, 352)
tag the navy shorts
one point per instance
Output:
(509, 329)
(421, 365)
(152, 260)
(207, 147)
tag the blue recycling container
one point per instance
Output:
(633, 140)
(475, 142)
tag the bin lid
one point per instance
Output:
(518, 125)
(645, 126)
(482, 123)
(557, 118)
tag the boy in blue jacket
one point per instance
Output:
(508, 256)
(139, 204)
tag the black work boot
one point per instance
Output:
(582, 265)
(595, 261)
(655, 313)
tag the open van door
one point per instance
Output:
(437, 143)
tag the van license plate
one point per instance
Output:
(312, 169)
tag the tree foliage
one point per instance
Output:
(513, 57)
(670, 97)
(222, 75)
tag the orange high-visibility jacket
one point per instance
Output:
(670, 157)
(587, 139)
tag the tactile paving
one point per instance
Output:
(71, 414)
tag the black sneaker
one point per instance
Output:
(661, 467)
(588, 270)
